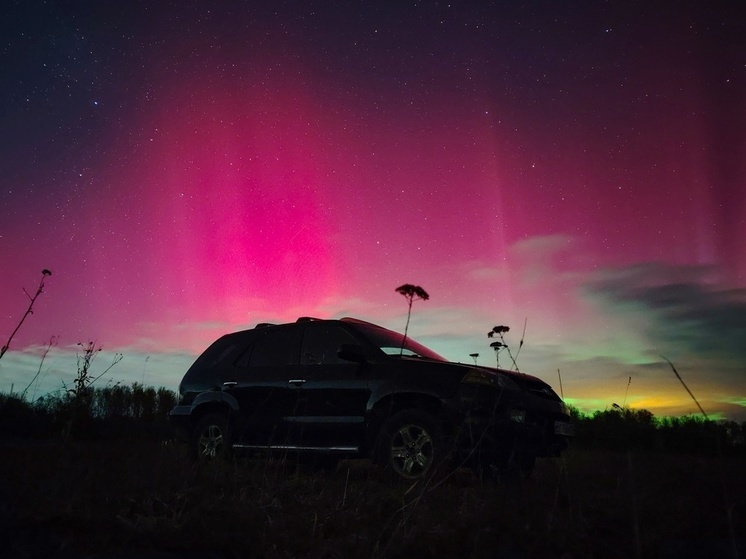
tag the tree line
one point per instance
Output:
(623, 428)
(110, 411)
(121, 411)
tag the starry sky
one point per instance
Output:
(574, 170)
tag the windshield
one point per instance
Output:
(391, 343)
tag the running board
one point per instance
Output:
(329, 449)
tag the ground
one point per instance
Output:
(145, 499)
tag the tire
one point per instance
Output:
(211, 439)
(410, 445)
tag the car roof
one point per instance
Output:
(347, 319)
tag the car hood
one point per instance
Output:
(526, 382)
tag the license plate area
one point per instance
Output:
(563, 428)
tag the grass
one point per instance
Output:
(75, 498)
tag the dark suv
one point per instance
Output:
(345, 388)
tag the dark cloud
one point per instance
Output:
(688, 310)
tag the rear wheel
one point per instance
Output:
(411, 445)
(211, 439)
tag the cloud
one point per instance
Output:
(532, 260)
(540, 257)
(688, 313)
(481, 271)
(540, 246)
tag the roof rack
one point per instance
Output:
(307, 318)
(358, 321)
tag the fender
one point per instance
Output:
(215, 397)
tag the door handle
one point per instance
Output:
(297, 381)
(230, 383)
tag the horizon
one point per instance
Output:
(189, 170)
(166, 368)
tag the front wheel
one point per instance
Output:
(411, 445)
(210, 440)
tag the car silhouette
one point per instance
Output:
(334, 389)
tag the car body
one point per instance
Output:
(351, 389)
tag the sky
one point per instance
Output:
(573, 170)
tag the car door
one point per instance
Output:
(265, 397)
(335, 392)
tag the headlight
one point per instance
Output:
(479, 376)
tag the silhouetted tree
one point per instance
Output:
(411, 293)
(114, 401)
(144, 401)
(166, 401)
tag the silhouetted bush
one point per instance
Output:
(618, 428)
(20, 419)
(638, 429)
(110, 412)
(696, 435)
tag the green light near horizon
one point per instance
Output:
(622, 354)
(588, 404)
(738, 401)
(591, 405)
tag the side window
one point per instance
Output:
(243, 358)
(276, 348)
(321, 342)
(219, 355)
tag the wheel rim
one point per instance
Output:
(411, 451)
(210, 442)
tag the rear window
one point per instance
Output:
(224, 351)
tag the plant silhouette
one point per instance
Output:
(678, 376)
(411, 293)
(499, 346)
(80, 396)
(44, 353)
(30, 310)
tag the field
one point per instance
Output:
(146, 499)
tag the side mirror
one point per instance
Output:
(353, 352)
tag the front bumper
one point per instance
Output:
(503, 423)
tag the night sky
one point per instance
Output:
(186, 169)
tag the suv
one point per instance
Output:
(345, 388)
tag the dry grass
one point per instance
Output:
(77, 498)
